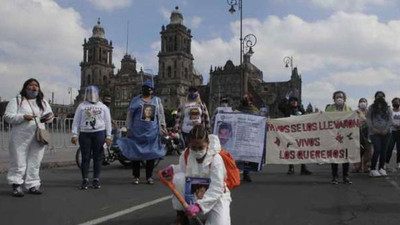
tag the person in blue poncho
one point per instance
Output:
(145, 122)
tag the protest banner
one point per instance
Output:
(243, 135)
(326, 137)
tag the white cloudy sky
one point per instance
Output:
(351, 45)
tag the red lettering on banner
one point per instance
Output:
(329, 154)
(308, 142)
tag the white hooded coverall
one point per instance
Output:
(25, 152)
(215, 203)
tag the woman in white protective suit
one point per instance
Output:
(203, 161)
(92, 124)
(26, 152)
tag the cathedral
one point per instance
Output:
(176, 74)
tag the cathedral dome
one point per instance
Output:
(176, 16)
(98, 30)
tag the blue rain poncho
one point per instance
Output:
(144, 120)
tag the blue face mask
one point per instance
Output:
(31, 94)
(193, 96)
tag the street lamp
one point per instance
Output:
(249, 40)
(288, 60)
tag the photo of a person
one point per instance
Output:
(194, 114)
(225, 135)
(148, 112)
(200, 191)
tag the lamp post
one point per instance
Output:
(249, 41)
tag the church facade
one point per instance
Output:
(176, 74)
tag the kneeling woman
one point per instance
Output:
(203, 161)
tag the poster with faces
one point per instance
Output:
(148, 112)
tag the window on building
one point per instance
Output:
(169, 71)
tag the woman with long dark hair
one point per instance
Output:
(26, 152)
(379, 120)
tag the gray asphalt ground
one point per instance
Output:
(272, 198)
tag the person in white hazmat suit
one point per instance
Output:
(203, 161)
(26, 152)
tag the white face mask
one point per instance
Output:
(224, 104)
(199, 153)
(362, 105)
(339, 101)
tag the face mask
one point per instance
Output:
(362, 105)
(396, 106)
(339, 101)
(193, 96)
(146, 91)
(107, 104)
(224, 104)
(199, 153)
(31, 94)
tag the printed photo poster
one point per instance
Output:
(195, 187)
(326, 137)
(148, 112)
(243, 135)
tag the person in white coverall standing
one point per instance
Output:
(26, 152)
(203, 161)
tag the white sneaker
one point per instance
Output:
(374, 173)
(382, 172)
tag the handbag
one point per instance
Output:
(42, 135)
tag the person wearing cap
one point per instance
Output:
(193, 111)
(290, 107)
(144, 128)
(339, 105)
(92, 124)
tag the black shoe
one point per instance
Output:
(305, 172)
(84, 185)
(96, 184)
(335, 180)
(290, 171)
(17, 190)
(247, 178)
(346, 180)
(34, 191)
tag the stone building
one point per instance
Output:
(97, 67)
(230, 82)
(176, 72)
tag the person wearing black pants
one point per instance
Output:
(92, 142)
(339, 105)
(290, 107)
(395, 136)
(379, 120)
(149, 170)
(92, 123)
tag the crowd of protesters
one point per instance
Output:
(93, 129)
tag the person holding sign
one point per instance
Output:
(290, 107)
(193, 111)
(203, 160)
(379, 120)
(247, 106)
(145, 120)
(339, 105)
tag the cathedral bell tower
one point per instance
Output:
(97, 67)
(175, 62)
